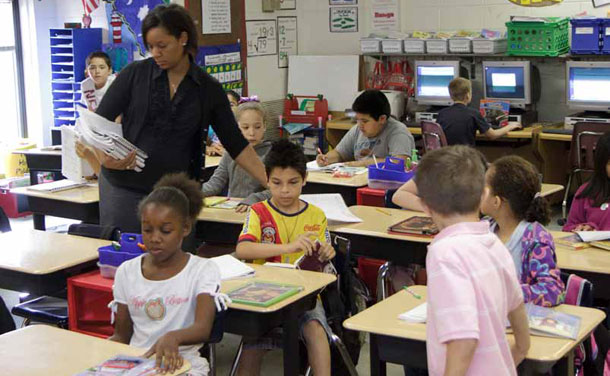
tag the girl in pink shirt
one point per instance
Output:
(589, 211)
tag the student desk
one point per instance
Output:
(47, 350)
(42, 160)
(211, 162)
(219, 225)
(523, 134)
(395, 341)
(323, 182)
(39, 262)
(80, 203)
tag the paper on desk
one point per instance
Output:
(72, 166)
(230, 267)
(418, 314)
(592, 236)
(313, 166)
(333, 206)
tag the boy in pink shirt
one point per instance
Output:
(472, 283)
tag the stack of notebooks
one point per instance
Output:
(586, 239)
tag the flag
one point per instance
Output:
(90, 5)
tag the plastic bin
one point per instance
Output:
(460, 45)
(586, 36)
(538, 38)
(605, 35)
(489, 46)
(107, 271)
(370, 45)
(370, 197)
(437, 46)
(389, 175)
(129, 242)
(414, 46)
(110, 256)
(392, 46)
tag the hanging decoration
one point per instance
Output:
(536, 3)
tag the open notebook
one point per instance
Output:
(230, 267)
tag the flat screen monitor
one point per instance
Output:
(588, 85)
(432, 80)
(508, 81)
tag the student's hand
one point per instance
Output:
(326, 252)
(513, 125)
(303, 243)
(583, 227)
(215, 149)
(242, 208)
(322, 160)
(127, 163)
(168, 358)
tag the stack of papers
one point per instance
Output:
(56, 186)
(333, 206)
(107, 136)
(340, 167)
(72, 166)
(592, 236)
(416, 315)
(230, 267)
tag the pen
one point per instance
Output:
(383, 211)
(416, 296)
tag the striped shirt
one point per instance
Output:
(472, 286)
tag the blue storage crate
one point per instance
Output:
(129, 242)
(389, 175)
(605, 35)
(110, 256)
(586, 35)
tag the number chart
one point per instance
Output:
(287, 39)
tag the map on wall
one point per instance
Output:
(125, 21)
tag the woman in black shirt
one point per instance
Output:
(166, 102)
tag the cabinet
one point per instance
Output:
(88, 298)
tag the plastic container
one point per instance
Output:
(392, 46)
(586, 36)
(110, 256)
(129, 242)
(370, 45)
(414, 46)
(389, 175)
(605, 35)
(538, 38)
(489, 46)
(107, 271)
(460, 45)
(437, 46)
(370, 197)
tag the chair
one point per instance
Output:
(45, 309)
(582, 153)
(215, 337)
(95, 231)
(432, 135)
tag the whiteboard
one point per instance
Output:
(336, 77)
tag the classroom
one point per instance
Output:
(298, 187)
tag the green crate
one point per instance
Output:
(538, 38)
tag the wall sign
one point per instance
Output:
(261, 37)
(216, 16)
(385, 15)
(288, 4)
(343, 19)
(287, 39)
(342, 2)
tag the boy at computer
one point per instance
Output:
(376, 134)
(461, 123)
(282, 229)
(472, 283)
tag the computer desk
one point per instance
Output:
(396, 341)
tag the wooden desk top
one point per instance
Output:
(311, 281)
(211, 214)
(343, 123)
(39, 151)
(590, 259)
(355, 181)
(556, 137)
(549, 189)
(382, 318)
(88, 194)
(523, 133)
(212, 161)
(41, 252)
(47, 350)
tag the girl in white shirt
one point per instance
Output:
(163, 299)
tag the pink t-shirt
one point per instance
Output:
(472, 286)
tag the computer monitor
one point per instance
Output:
(508, 81)
(432, 80)
(588, 85)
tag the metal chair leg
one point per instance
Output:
(212, 360)
(237, 357)
(27, 321)
(308, 371)
(382, 274)
(347, 359)
(564, 204)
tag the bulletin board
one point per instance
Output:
(237, 35)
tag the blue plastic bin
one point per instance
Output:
(605, 35)
(109, 256)
(129, 242)
(389, 175)
(586, 35)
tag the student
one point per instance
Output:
(251, 121)
(472, 285)
(376, 134)
(461, 123)
(512, 198)
(282, 229)
(589, 210)
(163, 299)
(214, 145)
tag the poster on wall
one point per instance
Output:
(600, 3)
(216, 16)
(288, 4)
(223, 62)
(261, 37)
(384, 14)
(287, 39)
(342, 2)
(343, 19)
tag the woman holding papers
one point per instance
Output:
(166, 102)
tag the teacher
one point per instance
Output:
(166, 102)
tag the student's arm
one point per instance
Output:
(329, 158)
(255, 197)
(249, 250)
(493, 134)
(166, 347)
(459, 356)
(123, 326)
(406, 197)
(219, 180)
(519, 324)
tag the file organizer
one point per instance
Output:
(69, 49)
(293, 114)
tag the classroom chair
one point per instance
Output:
(95, 231)
(432, 135)
(582, 153)
(45, 309)
(209, 348)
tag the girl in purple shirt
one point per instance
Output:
(512, 199)
(591, 204)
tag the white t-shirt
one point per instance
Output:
(92, 97)
(158, 307)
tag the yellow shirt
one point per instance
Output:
(267, 224)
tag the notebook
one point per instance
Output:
(125, 365)
(548, 322)
(263, 294)
(418, 314)
(230, 267)
(416, 225)
(56, 186)
(602, 245)
(572, 241)
(592, 236)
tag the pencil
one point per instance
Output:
(383, 211)
(416, 296)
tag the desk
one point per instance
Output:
(211, 162)
(395, 341)
(80, 203)
(525, 133)
(322, 182)
(39, 262)
(219, 225)
(549, 189)
(40, 160)
(47, 350)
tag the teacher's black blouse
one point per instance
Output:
(169, 131)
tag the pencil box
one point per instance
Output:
(128, 249)
(389, 175)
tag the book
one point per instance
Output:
(312, 262)
(572, 241)
(72, 166)
(418, 314)
(592, 236)
(227, 204)
(230, 267)
(262, 294)
(124, 365)
(495, 112)
(602, 244)
(416, 225)
(548, 322)
(56, 186)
